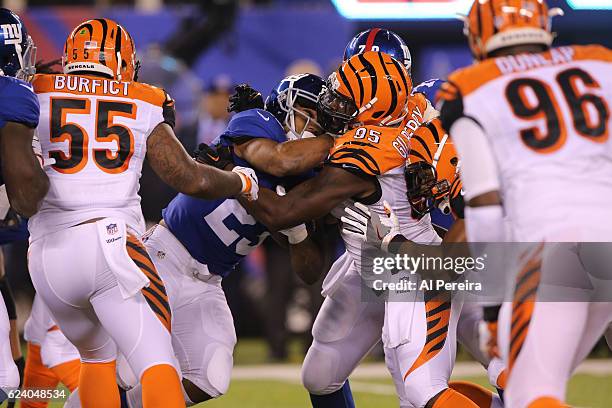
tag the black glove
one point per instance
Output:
(218, 156)
(47, 67)
(245, 98)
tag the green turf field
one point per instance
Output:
(584, 391)
(251, 391)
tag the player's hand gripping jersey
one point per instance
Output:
(555, 104)
(95, 140)
(219, 233)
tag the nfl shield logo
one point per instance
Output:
(111, 229)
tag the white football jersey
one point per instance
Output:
(93, 132)
(547, 118)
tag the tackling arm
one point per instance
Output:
(310, 200)
(311, 258)
(173, 165)
(285, 159)
(26, 182)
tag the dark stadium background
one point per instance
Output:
(197, 50)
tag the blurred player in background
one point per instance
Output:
(22, 177)
(86, 260)
(531, 123)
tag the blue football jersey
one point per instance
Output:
(429, 88)
(18, 102)
(219, 233)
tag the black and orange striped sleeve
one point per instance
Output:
(365, 158)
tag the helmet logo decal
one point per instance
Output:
(11, 33)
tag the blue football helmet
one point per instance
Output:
(379, 39)
(17, 50)
(302, 90)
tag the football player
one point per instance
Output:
(198, 242)
(336, 392)
(25, 182)
(366, 164)
(531, 123)
(429, 141)
(432, 181)
(88, 265)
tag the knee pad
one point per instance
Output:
(214, 376)
(319, 368)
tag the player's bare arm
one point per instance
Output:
(173, 165)
(285, 159)
(312, 258)
(26, 182)
(308, 201)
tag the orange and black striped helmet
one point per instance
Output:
(101, 46)
(494, 24)
(368, 89)
(432, 175)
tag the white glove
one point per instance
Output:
(360, 222)
(250, 185)
(296, 234)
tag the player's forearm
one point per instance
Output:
(299, 156)
(213, 183)
(26, 182)
(271, 210)
(173, 165)
(307, 260)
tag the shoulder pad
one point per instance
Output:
(18, 102)
(253, 123)
(369, 150)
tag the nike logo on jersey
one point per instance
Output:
(264, 117)
(27, 86)
(215, 159)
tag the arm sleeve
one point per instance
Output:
(19, 104)
(479, 172)
(168, 111)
